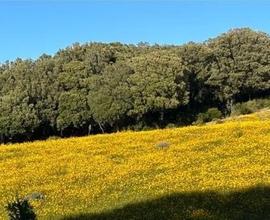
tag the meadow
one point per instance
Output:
(215, 171)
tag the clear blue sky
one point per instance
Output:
(30, 28)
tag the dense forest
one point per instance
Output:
(97, 87)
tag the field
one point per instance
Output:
(214, 171)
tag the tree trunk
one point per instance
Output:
(229, 105)
(162, 116)
(89, 129)
(101, 128)
(1, 138)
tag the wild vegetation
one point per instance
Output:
(214, 171)
(96, 87)
(20, 209)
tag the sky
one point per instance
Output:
(29, 28)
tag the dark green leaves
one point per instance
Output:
(115, 86)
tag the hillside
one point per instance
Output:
(213, 171)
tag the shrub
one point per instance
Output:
(210, 115)
(163, 144)
(53, 138)
(20, 209)
(250, 106)
(170, 125)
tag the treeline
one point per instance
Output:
(96, 87)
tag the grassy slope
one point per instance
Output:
(125, 175)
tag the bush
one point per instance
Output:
(20, 209)
(53, 138)
(250, 106)
(170, 125)
(163, 144)
(210, 115)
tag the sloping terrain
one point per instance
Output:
(214, 171)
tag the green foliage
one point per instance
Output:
(98, 87)
(240, 65)
(158, 83)
(73, 110)
(109, 94)
(17, 117)
(20, 209)
(210, 115)
(250, 106)
(171, 125)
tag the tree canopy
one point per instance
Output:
(97, 87)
